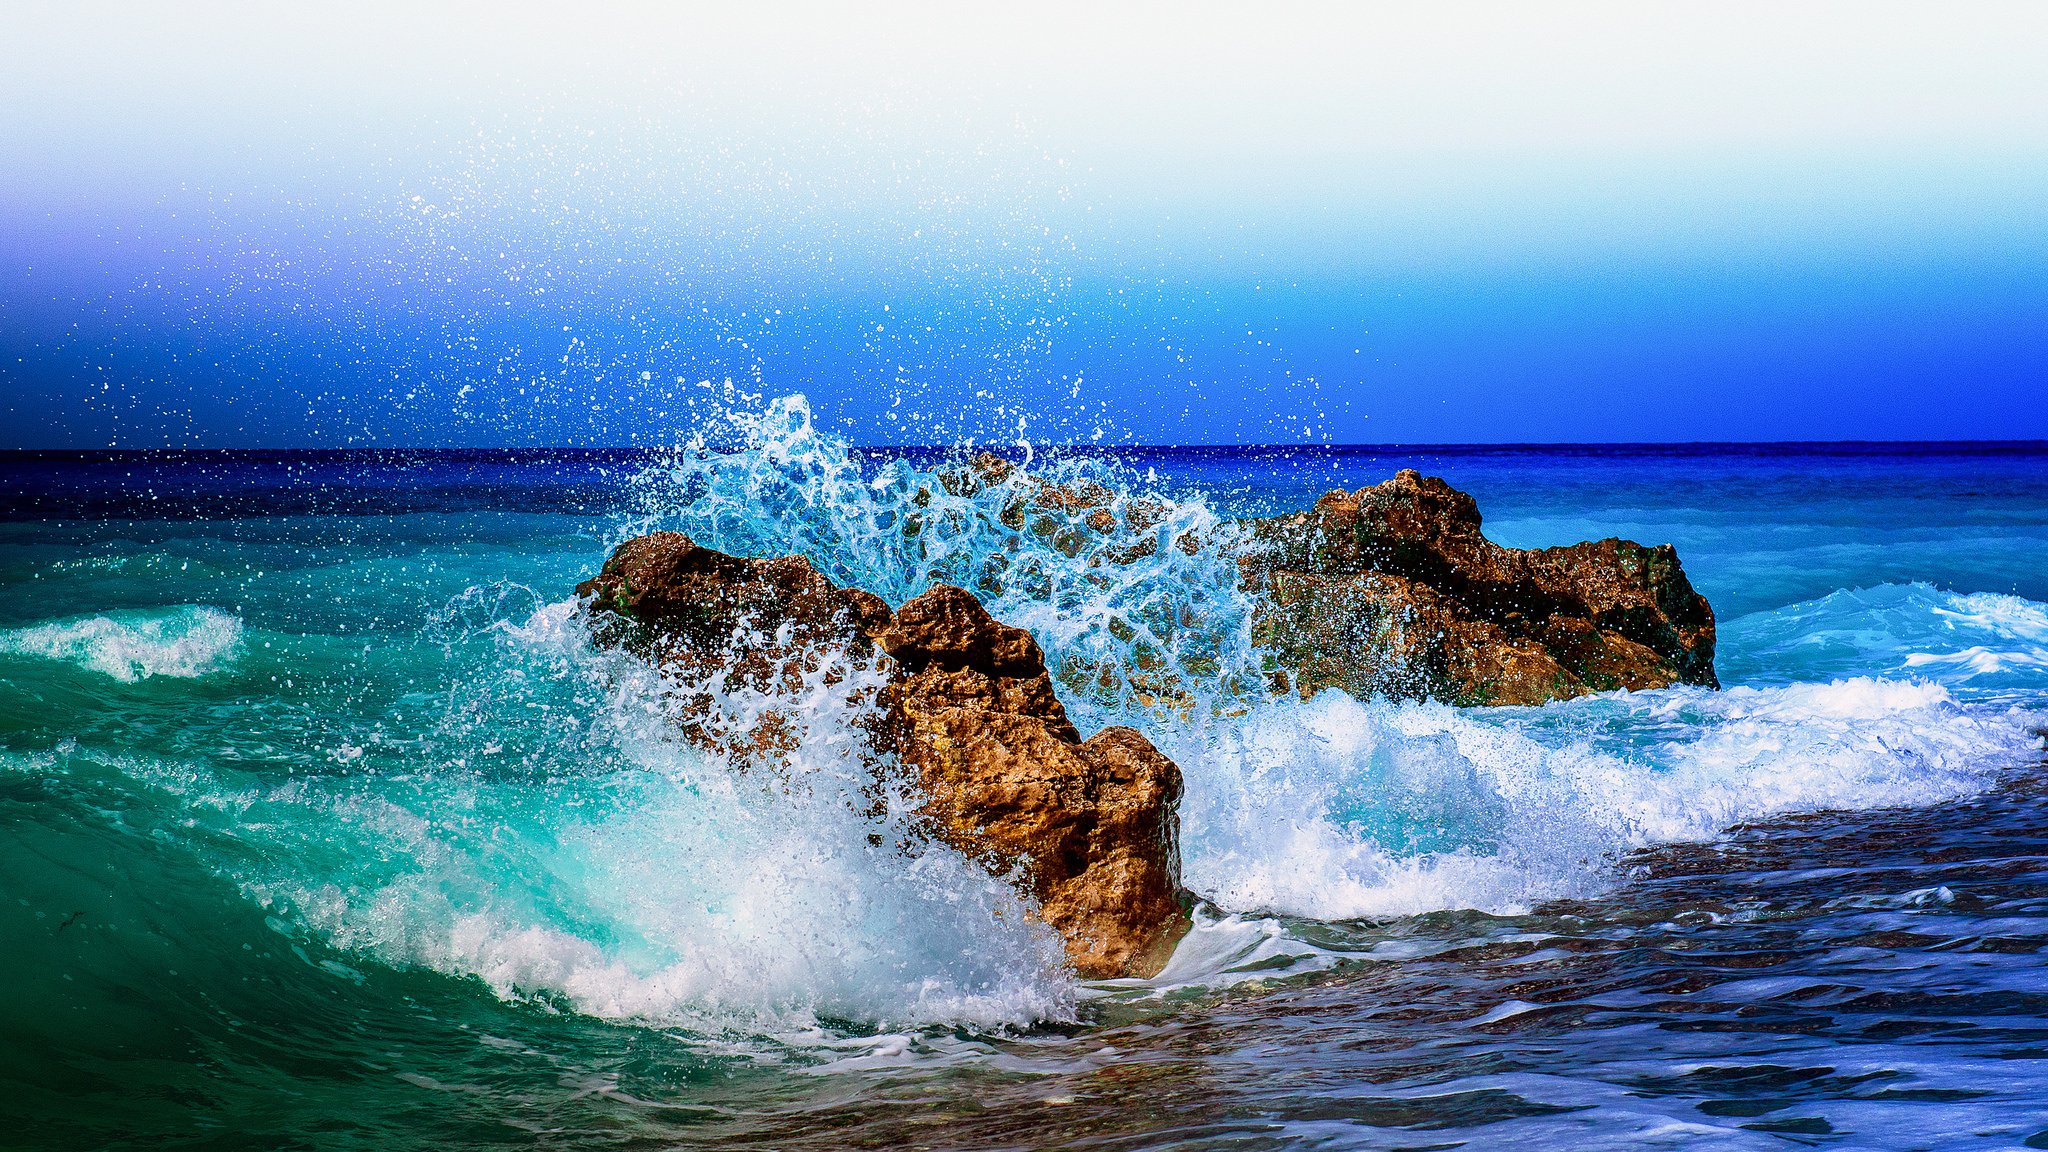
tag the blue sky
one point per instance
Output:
(477, 225)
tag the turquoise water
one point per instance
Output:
(324, 825)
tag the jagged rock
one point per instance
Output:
(967, 710)
(1393, 589)
(691, 600)
(1007, 778)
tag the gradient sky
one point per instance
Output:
(417, 224)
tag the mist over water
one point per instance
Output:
(324, 778)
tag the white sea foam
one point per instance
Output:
(2012, 633)
(187, 641)
(638, 877)
(1336, 808)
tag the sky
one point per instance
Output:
(481, 225)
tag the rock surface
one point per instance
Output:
(967, 709)
(1393, 589)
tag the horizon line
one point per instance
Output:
(1000, 449)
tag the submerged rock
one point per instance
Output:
(1393, 589)
(966, 709)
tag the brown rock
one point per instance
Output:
(968, 710)
(1394, 589)
(693, 599)
(723, 623)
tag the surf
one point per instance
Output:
(185, 641)
(481, 793)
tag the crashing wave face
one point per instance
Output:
(554, 840)
(1333, 807)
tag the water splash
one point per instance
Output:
(1331, 808)
(1132, 593)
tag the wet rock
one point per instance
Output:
(689, 601)
(966, 709)
(1058, 511)
(1393, 589)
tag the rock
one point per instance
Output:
(725, 625)
(691, 600)
(1393, 589)
(966, 710)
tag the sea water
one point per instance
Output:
(323, 823)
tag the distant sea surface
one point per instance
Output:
(323, 825)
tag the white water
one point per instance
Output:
(187, 641)
(532, 821)
(1337, 809)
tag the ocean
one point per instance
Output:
(324, 825)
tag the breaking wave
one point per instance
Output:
(187, 642)
(1335, 808)
(516, 808)
(561, 845)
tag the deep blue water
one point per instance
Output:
(324, 825)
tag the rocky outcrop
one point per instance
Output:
(1008, 779)
(965, 709)
(1393, 589)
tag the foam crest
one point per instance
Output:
(1338, 809)
(187, 642)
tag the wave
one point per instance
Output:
(552, 839)
(543, 831)
(1331, 808)
(1979, 642)
(1326, 809)
(188, 641)
(692, 905)
(1336, 809)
